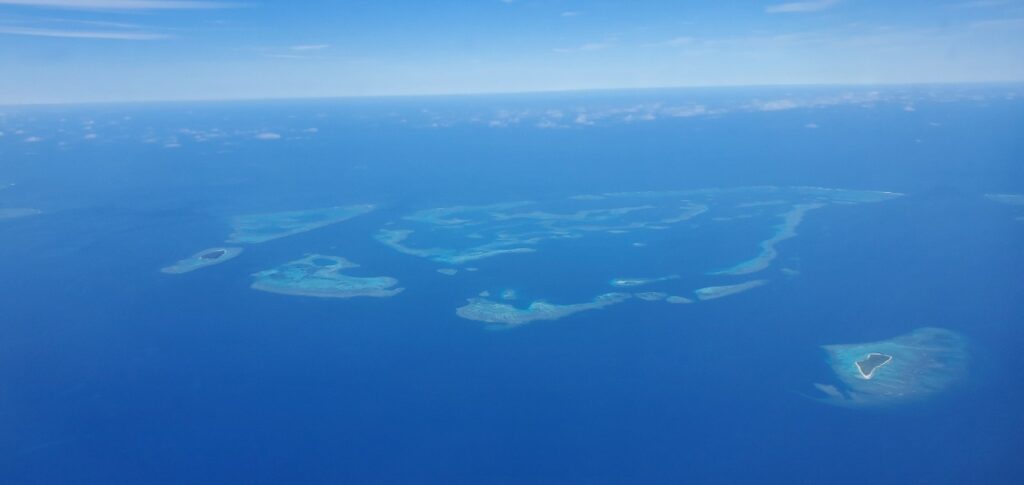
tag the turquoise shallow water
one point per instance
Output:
(114, 372)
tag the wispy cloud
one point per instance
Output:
(1013, 23)
(982, 4)
(570, 13)
(590, 46)
(801, 7)
(120, 4)
(677, 41)
(82, 34)
(309, 47)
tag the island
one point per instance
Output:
(258, 228)
(872, 363)
(506, 315)
(911, 366)
(713, 292)
(202, 259)
(320, 276)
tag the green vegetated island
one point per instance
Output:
(321, 276)
(457, 235)
(918, 364)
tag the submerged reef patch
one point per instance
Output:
(630, 282)
(202, 259)
(1009, 199)
(783, 231)
(507, 315)
(460, 234)
(17, 213)
(915, 365)
(677, 300)
(1016, 200)
(672, 221)
(320, 276)
(258, 228)
(712, 292)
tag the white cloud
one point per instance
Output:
(268, 136)
(801, 7)
(570, 13)
(549, 124)
(687, 111)
(776, 105)
(82, 34)
(120, 4)
(812, 126)
(309, 47)
(33, 139)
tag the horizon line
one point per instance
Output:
(505, 93)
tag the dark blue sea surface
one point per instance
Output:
(112, 372)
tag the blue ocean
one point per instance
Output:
(893, 209)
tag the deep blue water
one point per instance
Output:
(111, 372)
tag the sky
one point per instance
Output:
(58, 51)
